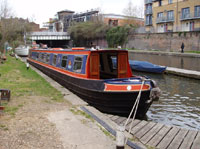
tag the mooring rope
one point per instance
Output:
(135, 106)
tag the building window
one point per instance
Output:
(160, 15)
(149, 20)
(78, 64)
(170, 15)
(113, 22)
(197, 11)
(185, 13)
(170, 1)
(54, 59)
(64, 61)
(160, 2)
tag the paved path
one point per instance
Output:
(183, 72)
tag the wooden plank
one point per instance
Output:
(188, 140)
(139, 126)
(114, 117)
(168, 138)
(109, 115)
(120, 120)
(178, 139)
(159, 136)
(135, 122)
(196, 143)
(151, 133)
(144, 130)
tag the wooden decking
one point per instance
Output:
(161, 136)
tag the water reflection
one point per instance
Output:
(190, 63)
(179, 104)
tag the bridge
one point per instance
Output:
(52, 39)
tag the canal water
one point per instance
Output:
(179, 104)
(177, 61)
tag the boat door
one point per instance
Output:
(94, 65)
(122, 65)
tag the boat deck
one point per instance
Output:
(159, 135)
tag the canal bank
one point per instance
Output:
(144, 134)
(181, 64)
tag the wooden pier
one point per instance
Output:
(159, 135)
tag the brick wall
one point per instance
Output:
(165, 42)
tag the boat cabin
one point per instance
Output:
(98, 64)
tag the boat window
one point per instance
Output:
(112, 65)
(78, 64)
(43, 57)
(108, 65)
(37, 56)
(64, 61)
(114, 62)
(47, 58)
(54, 60)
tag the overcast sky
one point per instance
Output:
(41, 10)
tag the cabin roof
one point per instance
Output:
(85, 50)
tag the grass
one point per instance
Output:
(75, 111)
(23, 83)
(196, 52)
(3, 127)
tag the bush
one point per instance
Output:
(117, 36)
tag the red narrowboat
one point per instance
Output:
(92, 75)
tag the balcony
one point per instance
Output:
(148, 1)
(164, 20)
(148, 23)
(148, 11)
(189, 16)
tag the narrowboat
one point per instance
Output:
(91, 74)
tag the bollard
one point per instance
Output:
(27, 66)
(120, 137)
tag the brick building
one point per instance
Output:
(172, 15)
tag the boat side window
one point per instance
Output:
(33, 55)
(43, 57)
(54, 59)
(37, 56)
(78, 61)
(64, 61)
(47, 58)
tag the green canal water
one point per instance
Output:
(179, 104)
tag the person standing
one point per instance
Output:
(182, 47)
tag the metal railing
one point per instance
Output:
(148, 23)
(148, 11)
(148, 1)
(190, 16)
(164, 19)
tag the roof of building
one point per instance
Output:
(66, 10)
(119, 16)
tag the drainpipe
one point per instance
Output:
(176, 15)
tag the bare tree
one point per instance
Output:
(5, 9)
(132, 10)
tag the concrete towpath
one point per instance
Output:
(78, 132)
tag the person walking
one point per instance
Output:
(182, 47)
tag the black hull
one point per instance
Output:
(119, 103)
